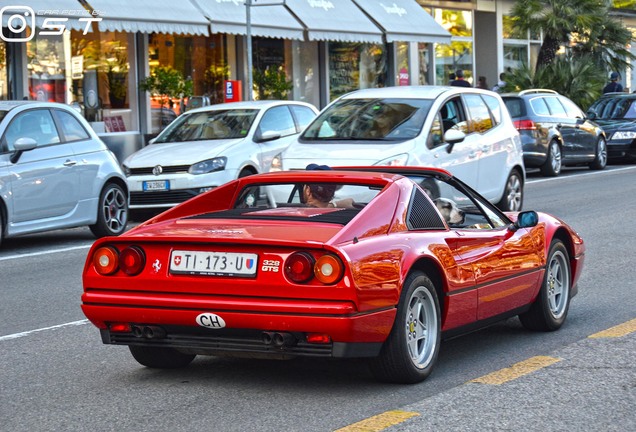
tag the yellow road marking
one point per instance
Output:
(379, 422)
(616, 331)
(516, 370)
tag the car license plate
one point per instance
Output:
(156, 185)
(213, 263)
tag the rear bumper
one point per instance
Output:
(242, 343)
(351, 333)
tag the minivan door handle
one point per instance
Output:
(70, 162)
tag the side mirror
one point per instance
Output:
(452, 137)
(21, 145)
(269, 136)
(591, 114)
(526, 219)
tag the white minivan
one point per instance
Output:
(467, 131)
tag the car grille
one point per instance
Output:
(167, 197)
(237, 342)
(177, 169)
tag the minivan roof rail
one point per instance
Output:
(530, 91)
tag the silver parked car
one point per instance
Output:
(55, 173)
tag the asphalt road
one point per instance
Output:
(56, 375)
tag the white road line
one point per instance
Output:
(574, 177)
(28, 255)
(30, 332)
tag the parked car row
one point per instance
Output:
(56, 173)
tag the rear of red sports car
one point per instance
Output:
(273, 284)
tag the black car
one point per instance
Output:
(555, 132)
(616, 114)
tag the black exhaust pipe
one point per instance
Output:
(283, 340)
(267, 338)
(154, 332)
(137, 331)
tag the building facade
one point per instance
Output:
(93, 54)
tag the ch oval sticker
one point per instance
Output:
(210, 320)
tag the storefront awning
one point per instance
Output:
(27, 12)
(404, 21)
(334, 20)
(150, 16)
(266, 20)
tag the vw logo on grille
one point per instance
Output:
(157, 170)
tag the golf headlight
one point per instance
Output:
(397, 160)
(126, 170)
(624, 135)
(208, 166)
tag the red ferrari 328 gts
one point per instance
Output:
(373, 262)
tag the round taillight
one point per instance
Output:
(106, 260)
(299, 267)
(328, 269)
(132, 260)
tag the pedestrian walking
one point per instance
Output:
(459, 79)
(501, 84)
(613, 86)
(482, 84)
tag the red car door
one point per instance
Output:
(507, 267)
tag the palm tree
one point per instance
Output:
(583, 25)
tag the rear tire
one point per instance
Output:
(549, 310)
(552, 166)
(160, 357)
(600, 158)
(112, 212)
(410, 352)
(512, 199)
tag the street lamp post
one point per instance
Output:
(248, 14)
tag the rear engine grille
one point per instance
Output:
(219, 342)
(168, 197)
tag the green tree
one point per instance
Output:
(272, 83)
(166, 83)
(580, 79)
(585, 26)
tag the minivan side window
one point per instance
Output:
(555, 106)
(539, 107)
(479, 113)
(453, 116)
(571, 108)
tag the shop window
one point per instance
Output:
(4, 83)
(422, 49)
(305, 72)
(96, 81)
(354, 66)
(515, 56)
(199, 60)
(449, 58)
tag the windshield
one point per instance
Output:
(615, 108)
(209, 125)
(370, 119)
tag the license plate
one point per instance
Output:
(156, 185)
(213, 263)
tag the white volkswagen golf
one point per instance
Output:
(467, 131)
(210, 146)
